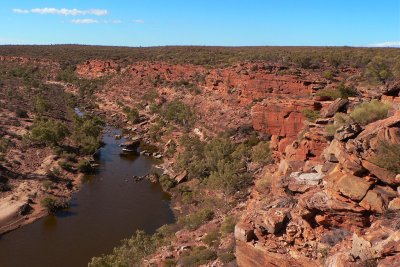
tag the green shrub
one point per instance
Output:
(180, 113)
(220, 164)
(388, 156)
(87, 133)
(311, 115)
(169, 263)
(228, 177)
(4, 144)
(340, 119)
(346, 91)
(197, 256)
(378, 69)
(195, 220)
(328, 75)
(65, 166)
(330, 130)
(41, 105)
(150, 96)
(228, 225)
(341, 91)
(212, 238)
(227, 257)
(131, 252)
(132, 114)
(84, 166)
(52, 205)
(368, 112)
(49, 132)
(331, 94)
(261, 153)
(166, 182)
(155, 130)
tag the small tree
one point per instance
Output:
(49, 132)
(378, 69)
(180, 113)
(368, 112)
(261, 153)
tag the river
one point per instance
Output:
(109, 207)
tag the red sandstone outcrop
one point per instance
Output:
(96, 68)
(331, 207)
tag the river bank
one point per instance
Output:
(109, 206)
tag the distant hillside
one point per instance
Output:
(202, 55)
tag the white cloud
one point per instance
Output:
(62, 11)
(386, 44)
(20, 11)
(84, 21)
(139, 21)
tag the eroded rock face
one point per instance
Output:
(342, 191)
(96, 68)
(282, 118)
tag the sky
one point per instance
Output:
(201, 22)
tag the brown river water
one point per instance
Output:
(109, 207)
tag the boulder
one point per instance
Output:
(347, 132)
(249, 255)
(181, 177)
(381, 239)
(336, 106)
(302, 182)
(131, 144)
(352, 187)
(394, 204)
(382, 174)
(373, 128)
(25, 209)
(361, 248)
(351, 163)
(275, 220)
(373, 202)
(244, 232)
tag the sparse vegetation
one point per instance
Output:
(179, 112)
(53, 205)
(328, 75)
(197, 256)
(228, 225)
(132, 250)
(226, 257)
(87, 133)
(368, 112)
(378, 69)
(66, 166)
(341, 91)
(166, 182)
(340, 119)
(132, 114)
(261, 153)
(311, 115)
(84, 166)
(48, 132)
(196, 219)
(212, 238)
(388, 156)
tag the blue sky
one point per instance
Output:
(201, 22)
